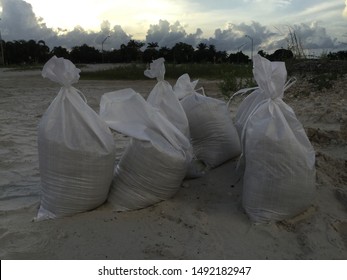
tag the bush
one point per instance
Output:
(232, 82)
(324, 81)
(173, 71)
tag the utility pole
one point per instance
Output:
(240, 47)
(2, 56)
(102, 47)
(249, 37)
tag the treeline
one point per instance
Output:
(32, 52)
(340, 55)
(37, 52)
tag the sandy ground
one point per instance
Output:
(204, 220)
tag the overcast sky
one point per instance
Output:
(320, 24)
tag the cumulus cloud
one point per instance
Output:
(18, 21)
(344, 13)
(234, 37)
(309, 36)
(167, 35)
(315, 36)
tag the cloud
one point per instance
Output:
(20, 22)
(166, 34)
(314, 36)
(233, 38)
(78, 36)
(311, 37)
(344, 13)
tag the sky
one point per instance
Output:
(320, 25)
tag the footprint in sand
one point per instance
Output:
(341, 227)
(2, 232)
(17, 244)
(342, 197)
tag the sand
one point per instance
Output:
(204, 220)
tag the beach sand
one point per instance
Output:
(204, 220)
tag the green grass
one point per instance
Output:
(121, 72)
(323, 81)
(29, 67)
(24, 68)
(173, 71)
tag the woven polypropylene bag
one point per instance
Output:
(76, 149)
(146, 175)
(279, 175)
(154, 164)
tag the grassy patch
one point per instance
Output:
(233, 81)
(324, 81)
(173, 71)
(24, 68)
(126, 72)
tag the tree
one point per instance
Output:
(238, 57)
(85, 54)
(221, 57)
(43, 52)
(166, 53)
(28, 52)
(115, 56)
(263, 53)
(150, 53)
(340, 55)
(60, 52)
(212, 53)
(31, 51)
(132, 51)
(182, 53)
(281, 55)
(153, 45)
(201, 54)
(9, 51)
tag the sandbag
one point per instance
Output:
(154, 164)
(76, 149)
(213, 134)
(184, 86)
(246, 107)
(164, 99)
(279, 175)
(146, 175)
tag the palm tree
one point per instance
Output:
(201, 47)
(43, 51)
(60, 52)
(200, 54)
(150, 53)
(183, 52)
(212, 53)
(131, 51)
(152, 45)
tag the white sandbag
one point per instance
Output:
(155, 162)
(163, 97)
(146, 175)
(279, 176)
(251, 101)
(184, 86)
(76, 149)
(213, 134)
(246, 107)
